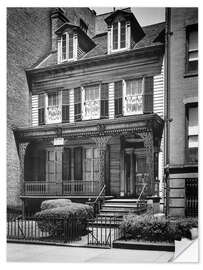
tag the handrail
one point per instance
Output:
(141, 192)
(100, 193)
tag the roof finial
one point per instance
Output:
(114, 9)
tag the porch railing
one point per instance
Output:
(64, 188)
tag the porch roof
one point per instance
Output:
(94, 128)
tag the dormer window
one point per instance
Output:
(123, 31)
(67, 47)
(119, 35)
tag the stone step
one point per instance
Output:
(122, 205)
(124, 200)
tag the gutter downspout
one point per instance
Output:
(167, 105)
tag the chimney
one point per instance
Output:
(57, 19)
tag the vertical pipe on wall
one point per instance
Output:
(167, 105)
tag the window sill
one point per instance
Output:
(190, 74)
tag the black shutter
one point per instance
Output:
(65, 106)
(104, 100)
(77, 104)
(78, 163)
(118, 100)
(148, 94)
(66, 164)
(41, 109)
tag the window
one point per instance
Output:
(133, 97)
(65, 106)
(83, 26)
(104, 100)
(78, 163)
(41, 109)
(77, 104)
(53, 109)
(91, 169)
(53, 99)
(67, 46)
(192, 48)
(118, 100)
(192, 133)
(119, 35)
(91, 102)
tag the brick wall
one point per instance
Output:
(28, 40)
(181, 87)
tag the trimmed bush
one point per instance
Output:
(150, 228)
(49, 204)
(69, 221)
(184, 226)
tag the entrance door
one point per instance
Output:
(135, 169)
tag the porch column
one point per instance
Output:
(149, 148)
(22, 151)
(101, 143)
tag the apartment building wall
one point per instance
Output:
(182, 87)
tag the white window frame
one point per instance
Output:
(61, 60)
(84, 117)
(125, 112)
(47, 120)
(119, 37)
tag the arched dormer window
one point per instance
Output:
(119, 35)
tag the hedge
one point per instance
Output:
(58, 221)
(150, 228)
(49, 204)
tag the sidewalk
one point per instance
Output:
(42, 253)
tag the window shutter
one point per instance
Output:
(65, 106)
(77, 104)
(118, 89)
(78, 163)
(104, 100)
(66, 164)
(70, 51)
(41, 109)
(148, 94)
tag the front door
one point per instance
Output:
(135, 169)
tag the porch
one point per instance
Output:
(121, 154)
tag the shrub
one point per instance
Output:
(148, 228)
(69, 221)
(184, 226)
(49, 204)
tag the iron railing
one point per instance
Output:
(191, 197)
(100, 231)
(75, 187)
(97, 203)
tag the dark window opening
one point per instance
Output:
(115, 36)
(123, 34)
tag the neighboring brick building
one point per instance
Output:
(182, 110)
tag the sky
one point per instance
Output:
(145, 15)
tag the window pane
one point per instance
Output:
(41, 101)
(118, 89)
(123, 34)
(193, 40)
(104, 91)
(193, 56)
(77, 95)
(115, 36)
(193, 141)
(193, 121)
(65, 97)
